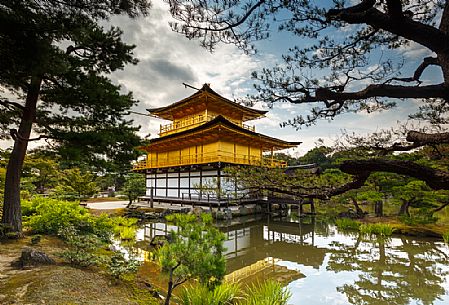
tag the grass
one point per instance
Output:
(376, 229)
(446, 237)
(347, 224)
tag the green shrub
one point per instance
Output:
(49, 216)
(347, 224)
(119, 267)
(376, 229)
(82, 247)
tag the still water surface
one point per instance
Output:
(321, 265)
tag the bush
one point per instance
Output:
(376, 229)
(49, 216)
(82, 248)
(119, 267)
(347, 224)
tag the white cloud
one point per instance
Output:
(168, 59)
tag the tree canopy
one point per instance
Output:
(347, 59)
(55, 56)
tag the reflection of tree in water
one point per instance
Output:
(390, 274)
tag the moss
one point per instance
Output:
(61, 284)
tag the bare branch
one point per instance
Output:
(436, 179)
(428, 61)
(8, 103)
(15, 135)
(365, 13)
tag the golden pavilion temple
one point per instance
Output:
(207, 133)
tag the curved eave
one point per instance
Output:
(166, 111)
(277, 144)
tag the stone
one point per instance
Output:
(33, 257)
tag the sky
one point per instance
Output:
(168, 59)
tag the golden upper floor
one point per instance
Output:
(201, 107)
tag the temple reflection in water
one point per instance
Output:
(321, 265)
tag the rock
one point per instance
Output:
(33, 257)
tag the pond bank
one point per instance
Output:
(60, 283)
(420, 230)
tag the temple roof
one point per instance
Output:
(218, 129)
(205, 98)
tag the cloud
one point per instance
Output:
(167, 59)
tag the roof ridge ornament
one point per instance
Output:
(190, 86)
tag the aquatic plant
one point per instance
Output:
(127, 233)
(224, 294)
(125, 228)
(376, 229)
(446, 237)
(266, 293)
(347, 224)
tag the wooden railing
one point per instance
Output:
(193, 121)
(218, 156)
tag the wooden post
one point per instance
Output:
(151, 198)
(312, 206)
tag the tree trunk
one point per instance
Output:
(12, 213)
(379, 208)
(170, 288)
(358, 209)
(403, 211)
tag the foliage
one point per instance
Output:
(82, 247)
(446, 237)
(76, 185)
(49, 216)
(119, 267)
(42, 172)
(266, 293)
(134, 186)
(347, 56)
(262, 293)
(347, 224)
(55, 60)
(195, 251)
(420, 216)
(319, 155)
(376, 229)
(124, 227)
(223, 294)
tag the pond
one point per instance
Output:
(321, 265)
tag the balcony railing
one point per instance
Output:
(193, 121)
(218, 156)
